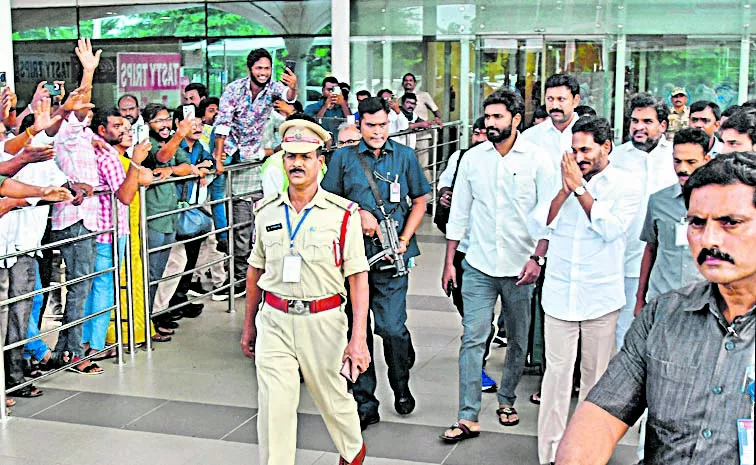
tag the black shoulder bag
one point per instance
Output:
(442, 213)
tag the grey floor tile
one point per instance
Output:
(5, 460)
(430, 239)
(430, 302)
(247, 433)
(89, 408)
(312, 433)
(514, 449)
(193, 419)
(29, 407)
(409, 442)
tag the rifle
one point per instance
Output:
(388, 226)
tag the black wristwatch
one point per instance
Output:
(540, 261)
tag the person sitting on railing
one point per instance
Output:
(166, 158)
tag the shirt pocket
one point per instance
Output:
(274, 247)
(524, 185)
(318, 247)
(669, 390)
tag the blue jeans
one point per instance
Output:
(217, 190)
(102, 295)
(159, 259)
(37, 348)
(80, 259)
(479, 292)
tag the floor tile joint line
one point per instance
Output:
(55, 404)
(223, 438)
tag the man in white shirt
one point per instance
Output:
(499, 183)
(427, 110)
(707, 116)
(646, 157)
(588, 221)
(555, 134)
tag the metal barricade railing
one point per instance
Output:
(30, 295)
(228, 199)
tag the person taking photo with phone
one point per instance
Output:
(332, 109)
(309, 242)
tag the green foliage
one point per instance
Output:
(220, 23)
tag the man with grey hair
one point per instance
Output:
(349, 134)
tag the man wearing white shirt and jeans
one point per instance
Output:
(588, 221)
(555, 134)
(646, 157)
(499, 183)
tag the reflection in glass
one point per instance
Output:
(59, 23)
(135, 21)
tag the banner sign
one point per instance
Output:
(149, 72)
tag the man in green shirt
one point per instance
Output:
(166, 158)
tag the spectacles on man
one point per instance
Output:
(161, 120)
(342, 143)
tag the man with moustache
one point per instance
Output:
(680, 115)
(646, 157)
(686, 355)
(499, 183)
(739, 132)
(395, 169)
(427, 110)
(667, 264)
(706, 115)
(308, 243)
(244, 108)
(128, 107)
(587, 222)
(166, 158)
(554, 135)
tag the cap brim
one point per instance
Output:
(299, 147)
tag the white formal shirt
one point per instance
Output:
(23, 229)
(584, 277)
(493, 197)
(399, 122)
(652, 171)
(553, 141)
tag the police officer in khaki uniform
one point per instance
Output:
(679, 115)
(308, 242)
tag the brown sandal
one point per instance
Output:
(508, 411)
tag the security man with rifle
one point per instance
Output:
(386, 180)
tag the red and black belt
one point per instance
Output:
(301, 307)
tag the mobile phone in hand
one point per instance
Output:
(291, 64)
(189, 111)
(449, 287)
(53, 88)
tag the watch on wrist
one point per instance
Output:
(540, 261)
(579, 191)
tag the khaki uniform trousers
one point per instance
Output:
(315, 344)
(561, 337)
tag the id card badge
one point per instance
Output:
(745, 441)
(292, 268)
(395, 192)
(681, 234)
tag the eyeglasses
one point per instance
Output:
(161, 120)
(342, 143)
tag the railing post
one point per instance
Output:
(129, 293)
(117, 280)
(434, 151)
(231, 261)
(3, 408)
(145, 268)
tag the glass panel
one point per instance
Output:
(60, 23)
(593, 66)
(43, 61)
(512, 63)
(708, 69)
(269, 18)
(387, 17)
(380, 64)
(228, 63)
(134, 21)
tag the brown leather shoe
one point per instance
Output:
(357, 460)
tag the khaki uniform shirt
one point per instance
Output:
(318, 235)
(677, 121)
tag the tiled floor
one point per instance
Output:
(193, 401)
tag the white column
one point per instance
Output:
(619, 88)
(6, 41)
(340, 35)
(387, 64)
(745, 45)
(464, 91)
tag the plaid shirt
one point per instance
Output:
(75, 157)
(81, 162)
(112, 175)
(246, 118)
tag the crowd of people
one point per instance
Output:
(626, 250)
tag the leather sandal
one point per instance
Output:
(467, 433)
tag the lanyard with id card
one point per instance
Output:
(292, 263)
(745, 425)
(681, 233)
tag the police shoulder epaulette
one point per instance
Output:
(341, 202)
(260, 204)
